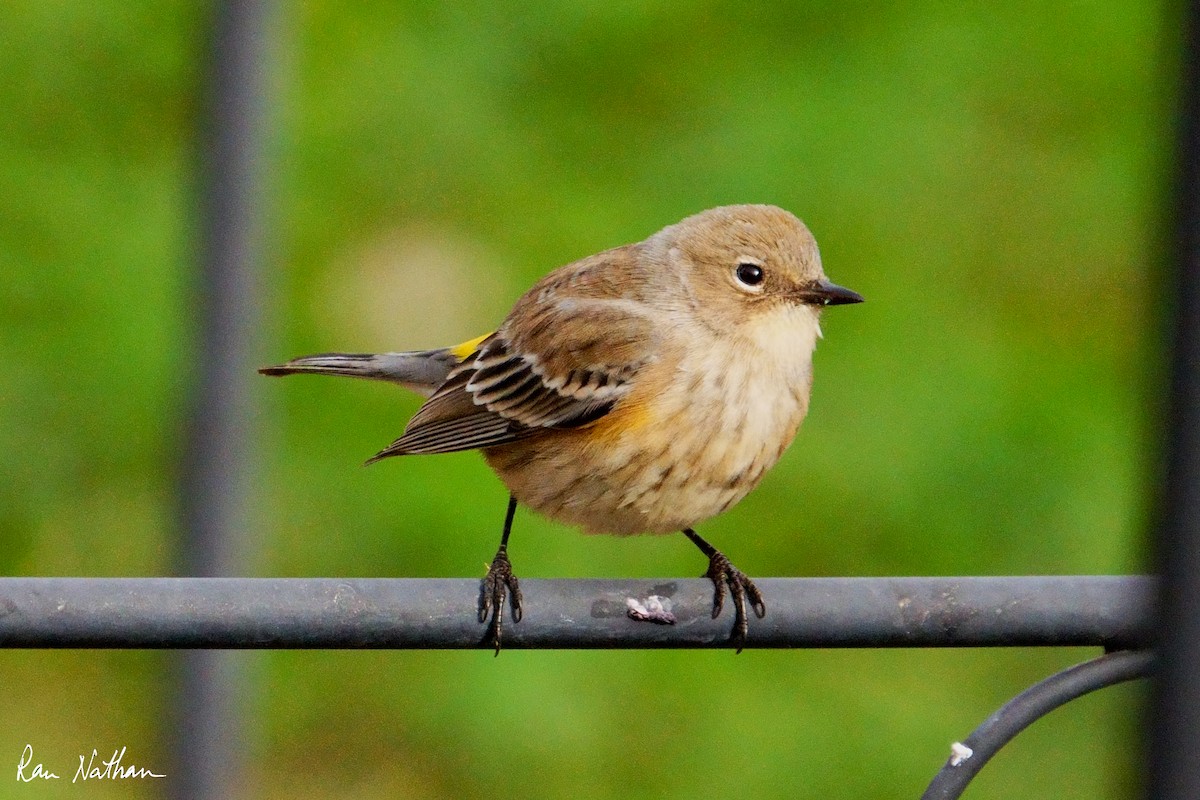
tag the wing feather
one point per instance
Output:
(566, 355)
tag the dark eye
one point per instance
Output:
(749, 274)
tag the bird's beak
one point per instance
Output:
(824, 293)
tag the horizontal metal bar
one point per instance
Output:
(1108, 611)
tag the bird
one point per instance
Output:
(643, 389)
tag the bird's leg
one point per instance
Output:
(499, 582)
(721, 572)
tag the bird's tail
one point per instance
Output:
(422, 371)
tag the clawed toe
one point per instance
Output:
(498, 585)
(722, 573)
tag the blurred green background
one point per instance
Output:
(993, 180)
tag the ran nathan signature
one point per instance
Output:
(89, 768)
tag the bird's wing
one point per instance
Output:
(562, 359)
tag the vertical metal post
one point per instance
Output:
(217, 454)
(1174, 734)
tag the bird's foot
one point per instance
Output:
(721, 573)
(494, 589)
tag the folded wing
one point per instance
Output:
(564, 358)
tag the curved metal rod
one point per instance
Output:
(968, 757)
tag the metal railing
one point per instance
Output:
(1104, 611)
(218, 451)
(1173, 750)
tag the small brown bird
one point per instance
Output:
(644, 389)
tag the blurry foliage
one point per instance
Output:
(991, 179)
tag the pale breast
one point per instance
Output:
(729, 423)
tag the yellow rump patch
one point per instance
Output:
(461, 351)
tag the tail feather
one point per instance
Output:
(422, 371)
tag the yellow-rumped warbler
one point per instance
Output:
(640, 390)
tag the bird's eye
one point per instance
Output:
(750, 275)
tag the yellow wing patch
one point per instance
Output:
(461, 351)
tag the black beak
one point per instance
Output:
(824, 293)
